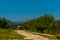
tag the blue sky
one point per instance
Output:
(20, 10)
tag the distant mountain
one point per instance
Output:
(13, 23)
(18, 22)
(10, 22)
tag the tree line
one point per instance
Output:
(43, 24)
(4, 23)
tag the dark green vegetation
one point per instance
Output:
(43, 24)
(6, 34)
(6, 31)
(6, 24)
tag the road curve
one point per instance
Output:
(30, 35)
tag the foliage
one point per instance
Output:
(6, 34)
(43, 24)
(4, 23)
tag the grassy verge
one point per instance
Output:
(6, 34)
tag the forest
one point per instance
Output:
(44, 24)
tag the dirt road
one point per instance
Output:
(31, 36)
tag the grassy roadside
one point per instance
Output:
(6, 34)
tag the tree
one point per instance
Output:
(54, 27)
(44, 22)
(40, 24)
(30, 25)
(57, 24)
(4, 23)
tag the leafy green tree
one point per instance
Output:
(4, 23)
(54, 27)
(44, 22)
(40, 24)
(57, 24)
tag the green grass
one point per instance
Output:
(6, 34)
